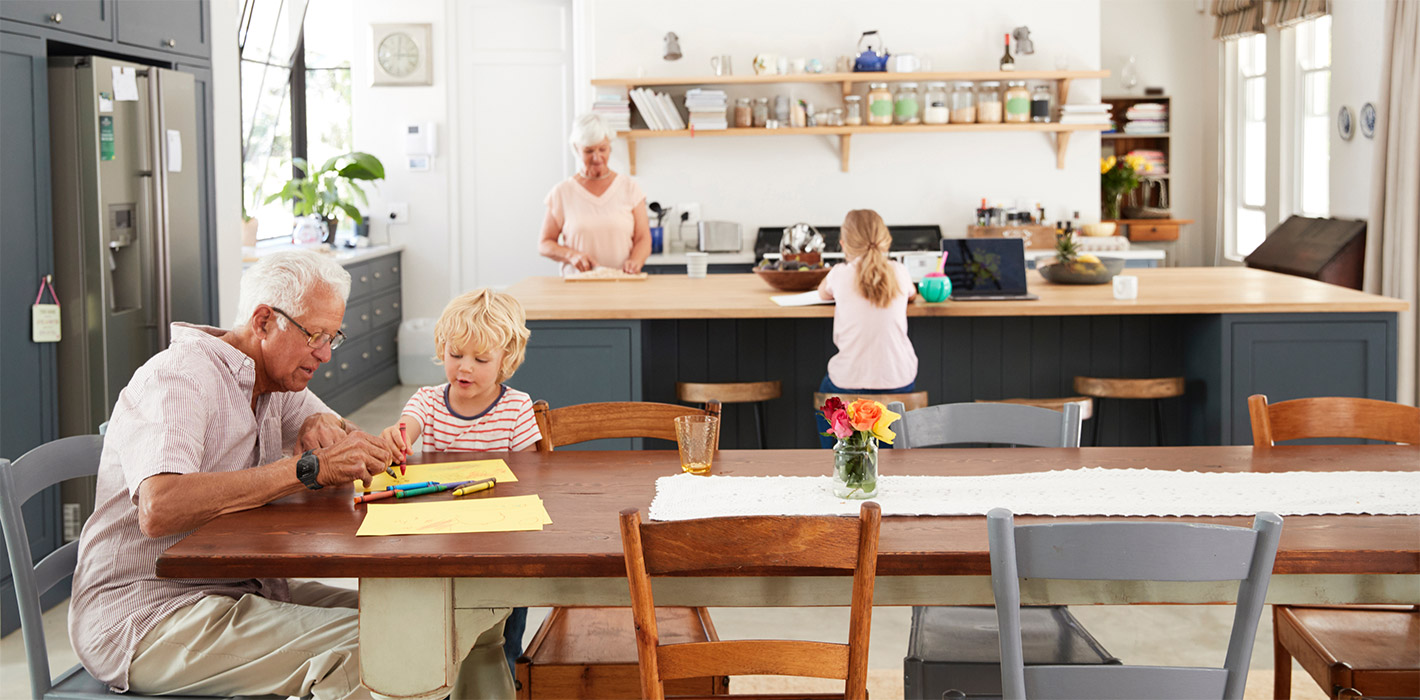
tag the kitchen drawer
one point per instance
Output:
(358, 321)
(353, 360)
(174, 26)
(327, 379)
(384, 346)
(90, 17)
(384, 274)
(385, 310)
(1153, 232)
(362, 284)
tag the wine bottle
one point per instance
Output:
(1008, 63)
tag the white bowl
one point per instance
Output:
(1102, 229)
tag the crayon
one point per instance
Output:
(436, 488)
(374, 496)
(418, 485)
(475, 487)
(405, 439)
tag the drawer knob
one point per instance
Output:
(395, 305)
(364, 317)
(379, 348)
(364, 355)
(379, 311)
(364, 278)
(394, 269)
(344, 365)
(169, 43)
(57, 17)
(377, 275)
(329, 373)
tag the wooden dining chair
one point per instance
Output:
(737, 543)
(1129, 551)
(590, 653)
(1350, 651)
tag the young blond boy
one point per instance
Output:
(480, 340)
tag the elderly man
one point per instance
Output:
(202, 429)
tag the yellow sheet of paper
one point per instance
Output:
(515, 513)
(444, 473)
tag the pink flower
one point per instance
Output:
(839, 425)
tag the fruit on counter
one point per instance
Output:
(1067, 253)
(788, 265)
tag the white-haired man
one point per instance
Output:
(203, 429)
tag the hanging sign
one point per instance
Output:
(45, 326)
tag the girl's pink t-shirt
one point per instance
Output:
(599, 226)
(873, 349)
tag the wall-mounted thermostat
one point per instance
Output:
(419, 139)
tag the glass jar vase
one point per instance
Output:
(988, 103)
(963, 104)
(879, 104)
(935, 109)
(907, 106)
(1017, 102)
(855, 469)
(760, 112)
(853, 110)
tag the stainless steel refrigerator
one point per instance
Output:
(127, 226)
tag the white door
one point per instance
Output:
(515, 101)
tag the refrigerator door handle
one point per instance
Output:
(162, 275)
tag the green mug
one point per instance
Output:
(935, 287)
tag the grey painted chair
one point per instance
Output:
(993, 423)
(35, 471)
(1129, 551)
(954, 648)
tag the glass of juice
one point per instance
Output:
(697, 437)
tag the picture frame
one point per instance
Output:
(400, 54)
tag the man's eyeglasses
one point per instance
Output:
(315, 340)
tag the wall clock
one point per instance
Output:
(400, 54)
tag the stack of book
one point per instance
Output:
(1158, 163)
(615, 110)
(657, 110)
(1097, 113)
(707, 109)
(1147, 118)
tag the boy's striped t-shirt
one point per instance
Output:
(507, 425)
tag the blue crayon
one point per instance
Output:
(400, 487)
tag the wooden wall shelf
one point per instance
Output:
(845, 134)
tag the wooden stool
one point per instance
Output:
(1154, 389)
(1086, 404)
(733, 392)
(911, 401)
(1351, 651)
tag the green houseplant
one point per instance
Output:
(332, 188)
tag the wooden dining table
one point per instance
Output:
(414, 587)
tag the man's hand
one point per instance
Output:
(322, 430)
(357, 457)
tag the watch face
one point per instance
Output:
(398, 54)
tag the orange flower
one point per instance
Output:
(864, 414)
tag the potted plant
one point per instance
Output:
(332, 188)
(1118, 177)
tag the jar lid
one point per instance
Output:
(965, 85)
(990, 84)
(852, 98)
(1016, 83)
(742, 101)
(762, 100)
(875, 86)
(907, 85)
(936, 86)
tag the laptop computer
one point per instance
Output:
(987, 269)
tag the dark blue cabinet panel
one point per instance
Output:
(88, 17)
(174, 26)
(571, 363)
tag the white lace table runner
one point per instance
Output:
(1085, 491)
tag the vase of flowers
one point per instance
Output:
(858, 427)
(1118, 177)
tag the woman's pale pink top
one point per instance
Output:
(873, 349)
(599, 226)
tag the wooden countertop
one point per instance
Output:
(1195, 290)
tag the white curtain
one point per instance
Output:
(1393, 233)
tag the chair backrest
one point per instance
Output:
(772, 542)
(993, 423)
(1129, 551)
(1332, 417)
(618, 419)
(36, 470)
(912, 400)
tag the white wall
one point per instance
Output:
(1183, 61)
(227, 154)
(1356, 58)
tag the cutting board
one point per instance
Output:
(619, 276)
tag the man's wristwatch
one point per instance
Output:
(307, 469)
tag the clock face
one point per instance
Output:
(398, 54)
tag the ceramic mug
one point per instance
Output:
(721, 64)
(798, 65)
(935, 287)
(1126, 287)
(766, 64)
(905, 63)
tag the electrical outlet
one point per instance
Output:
(398, 212)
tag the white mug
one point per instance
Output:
(798, 65)
(721, 64)
(1126, 287)
(696, 265)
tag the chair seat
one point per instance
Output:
(957, 648)
(728, 392)
(1370, 649)
(1111, 388)
(911, 401)
(77, 684)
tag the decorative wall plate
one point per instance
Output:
(1345, 125)
(1368, 120)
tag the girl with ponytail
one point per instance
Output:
(870, 315)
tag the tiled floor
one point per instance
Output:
(1167, 635)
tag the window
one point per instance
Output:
(1250, 179)
(295, 98)
(1311, 187)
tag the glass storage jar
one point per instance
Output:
(853, 110)
(761, 111)
(879, 104)
(1017, 102)
(988, 103)
(1040, 103)
(963, 102)
(744, 114)
(907, 104)
(934, 104)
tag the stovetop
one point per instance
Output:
(904, 238)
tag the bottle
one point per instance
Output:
(1077, 221)
(1040, 209)
(1008, 63)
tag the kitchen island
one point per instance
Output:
(1230, 332)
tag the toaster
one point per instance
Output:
(719, 237)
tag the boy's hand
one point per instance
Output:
(396, 440)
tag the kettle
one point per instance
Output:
(801, 238)
(871, 60)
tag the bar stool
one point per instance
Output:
(1086, 404)
(910, 401)
(733, 392)
(1155, 389)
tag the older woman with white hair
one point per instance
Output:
(597, 217)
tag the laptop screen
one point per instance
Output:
(985, 266)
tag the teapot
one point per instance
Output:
(871, 60)
(801, 238)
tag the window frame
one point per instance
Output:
(1235, 110)
(1293, 177)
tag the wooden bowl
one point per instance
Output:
(792, 280)
(1082, 273)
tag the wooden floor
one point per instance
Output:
(887, 683)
